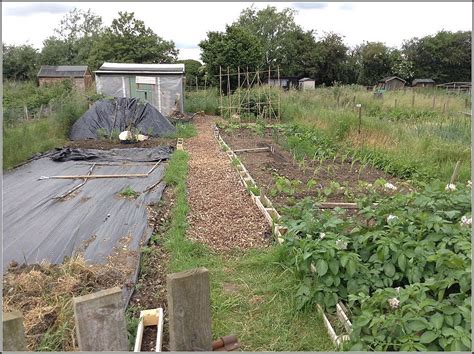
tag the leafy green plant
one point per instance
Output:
(285, 186)
(129, 192)
(399, 265)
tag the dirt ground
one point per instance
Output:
(222, 213)
(265, 166)
(107, 144)
(150, 289)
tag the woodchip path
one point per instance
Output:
(222, 213)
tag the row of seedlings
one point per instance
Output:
(272, 216)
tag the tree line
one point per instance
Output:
(258, 39)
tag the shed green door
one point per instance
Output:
(142, 91)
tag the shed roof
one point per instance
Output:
(306, 79)
(62, 71)
(390, 78)
(423, 81)
(126, 68)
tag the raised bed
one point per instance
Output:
(272, 216)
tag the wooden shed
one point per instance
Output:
(307, 84)
(391, 83)
(423, 83)
(80, 75)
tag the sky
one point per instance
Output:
(187, 23)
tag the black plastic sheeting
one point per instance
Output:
(95, 221)
(120, 114)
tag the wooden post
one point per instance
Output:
(205, 82)
(220, 86)
(413, 100)
(238, 85)
(100, 321)
(434, 101)
(455, 174)
(279, 94)
(395, 106)
(13, 332)
(444, 107)
(189, 309)
(228, 93)
(26, 112)
(466, 102)
(248, 92)
(360, 117)
(269, 94)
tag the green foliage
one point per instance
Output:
(19, 62)
(129, 192)
(235, 47)
(129, 40)
(414, 248)
(185, 130)
(444, 57)
(284, 185)
(22, 140)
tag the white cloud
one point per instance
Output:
(37, 8)
(187, 23)
(310, 5)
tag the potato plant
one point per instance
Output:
(404, 267)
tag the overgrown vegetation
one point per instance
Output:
(404, 267)
(23, 138)
(416, 143)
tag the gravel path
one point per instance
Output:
(222, 213)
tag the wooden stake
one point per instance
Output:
(395, 106)
(413, 100)
(238, 85)
(228, 92)
(279, 94)
(248, 92)
(196, 83)
(360, 118)
(220, 86)
(455, 174)
(434, 101)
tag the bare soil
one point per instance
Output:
(104, 144)
(222, 214)
(265, 166)
(150, 289)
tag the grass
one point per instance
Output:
(23, 139)
(251, 295)
(185, 130)
(128, 192)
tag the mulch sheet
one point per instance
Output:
(222, 213)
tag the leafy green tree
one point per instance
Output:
(235, 47)
(193, 70)
(275, 29)
(375, 60)
(129, 40)
(73, 39)
(331, 60)
(443, 57)
(19, 62)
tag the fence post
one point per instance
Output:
(189, 309)
(100, 321)
(13, 332)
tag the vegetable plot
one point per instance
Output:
(403, 267)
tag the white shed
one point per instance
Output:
(307, 84)
(162, 85)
